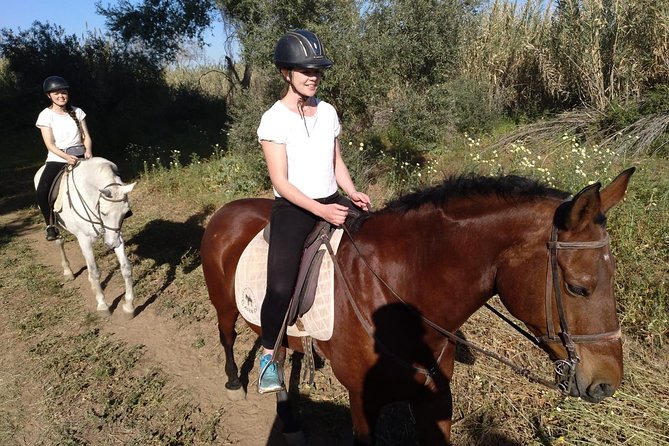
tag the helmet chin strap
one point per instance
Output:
(303, 98)
(300, 103)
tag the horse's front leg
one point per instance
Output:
(433, 419)
(433, 406)
(364, 415)
(86, 244)
(126, 271)
(67, 271)
(292, 430)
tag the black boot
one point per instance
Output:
(52, 233)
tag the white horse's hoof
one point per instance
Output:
(104, 312)
(128, 314)
(128, 308)
(295, 438)
(236, 395)
(68, 275)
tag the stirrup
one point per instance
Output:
(269, 380)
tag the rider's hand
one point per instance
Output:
(88, 154)
(71, 159)
(361, 200)
(335, 214)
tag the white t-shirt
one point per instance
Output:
(310, 153)
(65, 131)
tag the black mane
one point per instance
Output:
(507, 187)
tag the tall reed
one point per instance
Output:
(581, 52)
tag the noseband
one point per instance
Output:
(565, 369)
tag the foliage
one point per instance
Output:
(124, 93)
(219, 178)
(395, 72)
(656, 100)
(158, 28)
(588, 52)
(103, 75)
(640, 229)
(378, 68)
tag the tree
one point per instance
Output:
(158, 27)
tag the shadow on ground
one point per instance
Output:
(170, 243)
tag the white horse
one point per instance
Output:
(93, 201)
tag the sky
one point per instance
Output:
(79, 16)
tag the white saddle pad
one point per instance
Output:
(62, 191)
(251, 282)
(62, 188)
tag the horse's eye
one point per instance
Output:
(577, 290)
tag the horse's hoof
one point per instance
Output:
(295, 438)
(104, 312)
(68, 276)
(128, 315)
(129, 312)
(235, 394)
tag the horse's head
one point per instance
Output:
(113, 207)
(566, 295)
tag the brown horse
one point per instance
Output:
(414, 271)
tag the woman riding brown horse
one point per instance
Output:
(414, 271)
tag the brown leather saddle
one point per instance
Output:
(310, 265)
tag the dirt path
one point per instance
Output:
(170, 347)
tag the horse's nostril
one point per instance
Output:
(600, 391)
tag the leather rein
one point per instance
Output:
(88, 210)
(565, 369)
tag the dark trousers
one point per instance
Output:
(289, 227)
(51, 170)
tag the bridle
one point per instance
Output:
(565, 369)
(93, 215)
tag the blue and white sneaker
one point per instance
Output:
(269, 380)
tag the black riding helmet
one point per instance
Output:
(300, 49)
(53, 83)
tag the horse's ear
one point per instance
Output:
(106, 192)
(127, 188)
(583, 209)
(614, 192)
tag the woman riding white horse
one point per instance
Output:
(94, 203)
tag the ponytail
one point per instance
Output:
(73, 115)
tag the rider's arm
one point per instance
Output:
(277, 166)
(50, 143)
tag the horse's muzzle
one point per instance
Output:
(113, 239)
(597, 392)
(593, 392)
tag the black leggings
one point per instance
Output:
(51, 170)
(289, 227)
